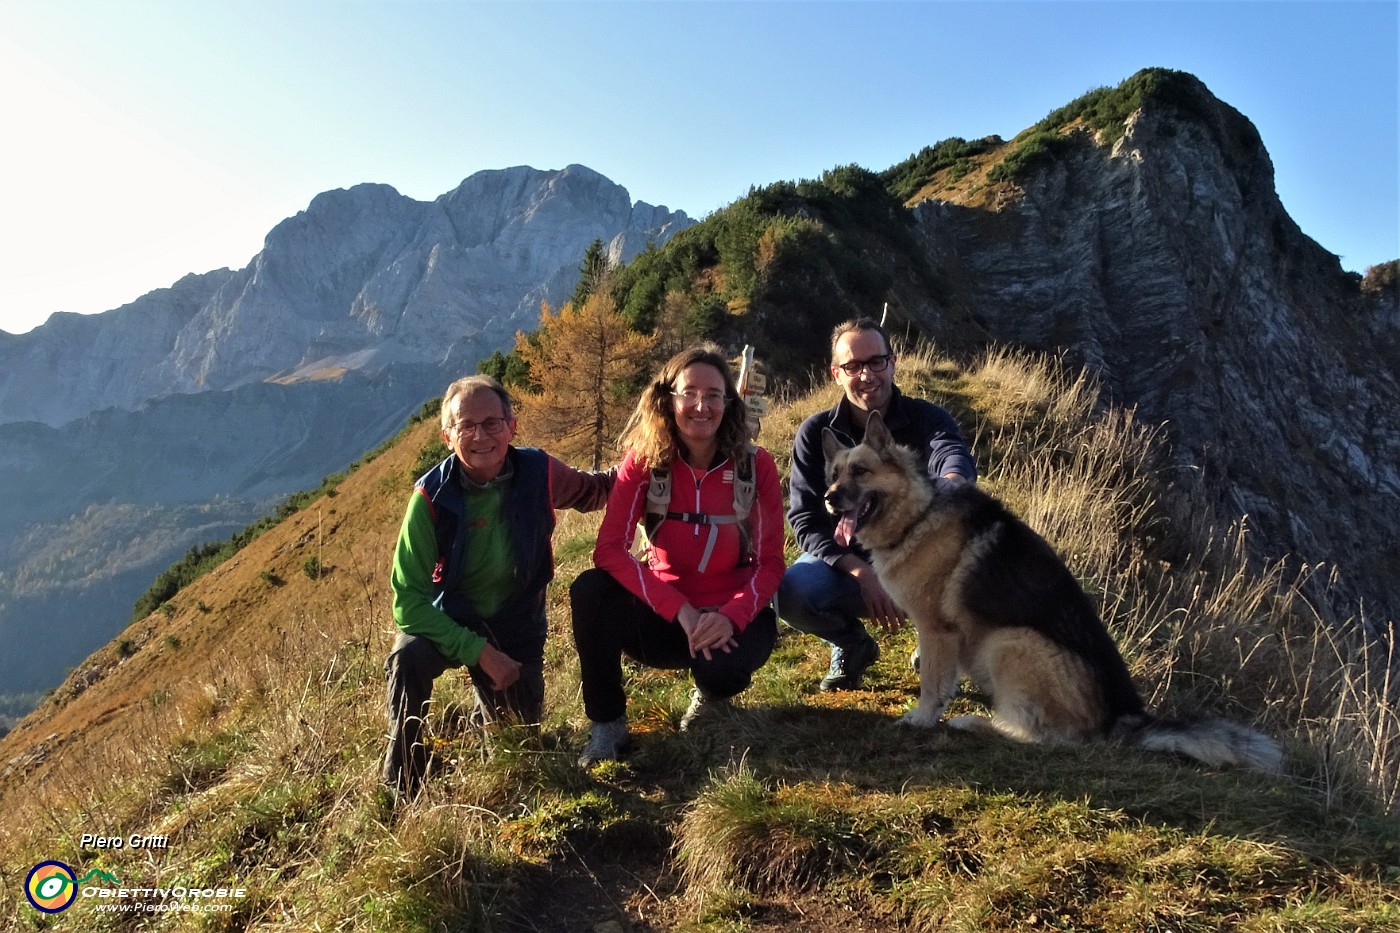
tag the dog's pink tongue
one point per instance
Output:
(845, 530)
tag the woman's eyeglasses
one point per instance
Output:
(691, 398)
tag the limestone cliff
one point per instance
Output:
(362, 278)
(1165, 262)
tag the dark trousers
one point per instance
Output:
(610, 622)
(409, 672)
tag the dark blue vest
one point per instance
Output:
(519, 627)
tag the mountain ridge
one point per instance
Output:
(358, 268)
(1135, 231)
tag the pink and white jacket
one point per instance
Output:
(669, 578)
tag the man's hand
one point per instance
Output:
(879, 605)
(706, 631)
(499, 666)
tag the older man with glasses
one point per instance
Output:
(831, 587)
(470, 570)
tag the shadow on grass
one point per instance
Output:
(871, 751)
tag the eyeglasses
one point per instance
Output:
(691, 398)
(876, 364)
(491, 425)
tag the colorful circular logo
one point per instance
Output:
(51, 887)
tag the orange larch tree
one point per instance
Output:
(587, 363)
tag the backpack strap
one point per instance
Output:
(743, 502)
(659, 500)
(744, 485)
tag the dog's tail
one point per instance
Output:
(1217, 743)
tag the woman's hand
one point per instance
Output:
(707, 631)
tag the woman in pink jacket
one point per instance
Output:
(701, 597)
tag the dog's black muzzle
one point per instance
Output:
(836, 500)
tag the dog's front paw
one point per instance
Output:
(922, 717)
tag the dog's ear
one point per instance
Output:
(831, 444)
(877, 436)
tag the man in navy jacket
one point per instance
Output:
(831, 587)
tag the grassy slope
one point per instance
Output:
(247, 725)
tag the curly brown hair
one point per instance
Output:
(651, 431)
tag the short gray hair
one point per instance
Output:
(469, 384)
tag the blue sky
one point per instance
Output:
(145, 140)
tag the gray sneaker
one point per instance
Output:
(608, 741)
(702, 706)
(848, 666)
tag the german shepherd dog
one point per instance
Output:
(991, 599)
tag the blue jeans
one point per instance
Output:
(817, 599)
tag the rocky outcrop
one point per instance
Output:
(362, 278)
(1166, 263)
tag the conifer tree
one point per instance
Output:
(591, 272)
(586, 362)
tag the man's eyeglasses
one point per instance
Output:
(491, 425)
(876, 364)
(691, 398)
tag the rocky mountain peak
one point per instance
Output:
(362, 278)
(1155, 251)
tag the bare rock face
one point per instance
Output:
(106, 360)
(1166, 263)
(362, 278)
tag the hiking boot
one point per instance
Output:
(702, 706)
(848, 665)
(608, 741)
